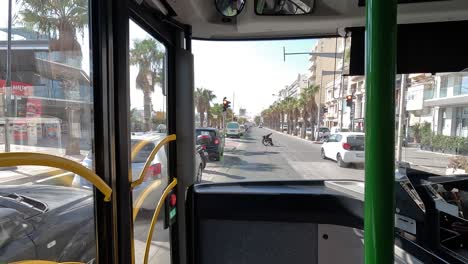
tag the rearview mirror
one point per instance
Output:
(229, 8)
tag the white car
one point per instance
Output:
(345, 148)
(233, 129)
(156, 172)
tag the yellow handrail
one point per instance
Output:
(155, 217)
(142, 197)
(161, 143)
(43, 262)
(39, 159)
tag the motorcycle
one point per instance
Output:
(201, 149)
(267, 140)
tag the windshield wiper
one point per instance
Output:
(25, 200)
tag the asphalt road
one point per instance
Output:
(292, 158)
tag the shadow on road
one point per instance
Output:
(254, 153)
(234, 177)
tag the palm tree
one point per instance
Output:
(217, 110)
(200, 104)
(288, 105)
(209, 96)
(62, 20)
(296, 113)
(148, 55)
(310, 93)
(302, 107)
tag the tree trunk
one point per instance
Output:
(208, 118)
(147, 110)
(312, 123)
(202, 118)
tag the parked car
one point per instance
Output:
(233, 129)
(260, 125)
(285, 127)
(345, 148)
(212, 139)
(308, 131)
(324, 132)
(156, 171)
(337, 129)
(45, 222)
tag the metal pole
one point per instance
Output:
(401, 113)
(8, 80)
(381, 27)
(319, 103)
(341, 103)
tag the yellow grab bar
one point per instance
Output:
(39, 159)
(142, 197)
(165, 140)
(43, 262)
(155, 217)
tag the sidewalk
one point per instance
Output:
(30, 174)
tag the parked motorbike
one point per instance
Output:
(267, 140)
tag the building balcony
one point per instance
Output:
(447, 101)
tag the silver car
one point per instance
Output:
(156, 172)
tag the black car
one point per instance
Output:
(44, 222)
(212, 139)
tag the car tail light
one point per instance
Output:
(346, 146)
(216, 141)
(154, 171)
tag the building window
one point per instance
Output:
(462, 122)
(444, 83)
(464, 85)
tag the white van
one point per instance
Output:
(233, 129)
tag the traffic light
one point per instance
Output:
(349, 100)
(226, 104)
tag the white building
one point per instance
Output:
(445, 106)
(296, 88)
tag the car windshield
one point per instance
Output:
(232, 125)
(324, 129)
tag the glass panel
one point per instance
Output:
(297, 103)
(148, 128)
(46, 106)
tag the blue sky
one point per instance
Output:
(254, 70)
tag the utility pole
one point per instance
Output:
(401, 114)
(319, 104)
(8, 80)
(233, 100)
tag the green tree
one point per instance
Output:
(217, 110)
(302, 107)
(62, 20)
(148, 55)
(200, 104)
(309, 95)
(209, 96)
(257, 119)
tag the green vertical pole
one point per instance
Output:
(381, 26)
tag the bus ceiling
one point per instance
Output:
(324, 18)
